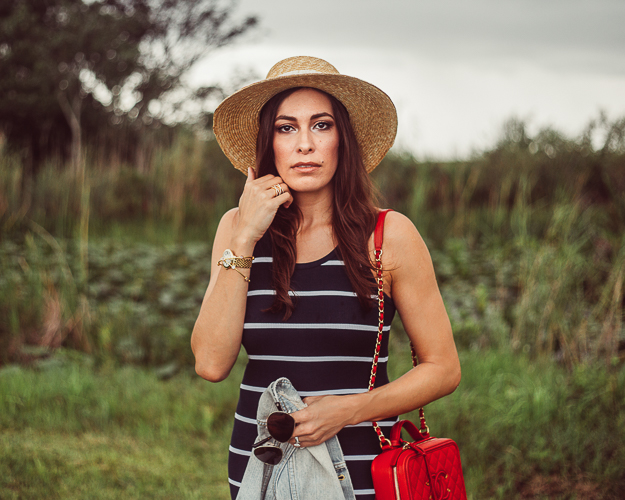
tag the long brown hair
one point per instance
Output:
(353, 212)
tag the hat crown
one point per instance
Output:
(301, 65)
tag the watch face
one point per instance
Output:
(227, 258)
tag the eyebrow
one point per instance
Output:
(313, 117)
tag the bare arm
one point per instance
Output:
(415, 293)
(216, 337)
(420, 306)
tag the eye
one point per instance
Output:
(323, 125)
(285, 128)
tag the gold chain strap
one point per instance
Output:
(378, 344)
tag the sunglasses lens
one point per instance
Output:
(268, 454)
(281, 426)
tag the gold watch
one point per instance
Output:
(230, 261)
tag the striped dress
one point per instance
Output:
(326, 347)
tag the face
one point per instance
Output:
(306, 141)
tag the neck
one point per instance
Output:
(316, 209)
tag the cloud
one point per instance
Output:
(571, 34)
(456, 70)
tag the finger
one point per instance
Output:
(303, 438)
(278, 189)
(311, 399)
(306, 441)
(298, 416)
(266, 181)
(284, 198)
(287, 203)
(251, 174)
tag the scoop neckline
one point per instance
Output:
(318, 262)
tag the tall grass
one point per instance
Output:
(527, 239)
(189, 184)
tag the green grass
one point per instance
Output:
(521, 423)
(69, 431)
(47, 464)
(526, 429)
(530, 428)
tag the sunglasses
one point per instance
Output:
(280, 426)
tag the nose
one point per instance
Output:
(305, 143)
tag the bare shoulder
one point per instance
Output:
(405, 254)
(397, 223)
(401, 235)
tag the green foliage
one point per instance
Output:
(68, 431)
(56, 56)
(508, 191)
(38, 296)
(526, 429)
(513, 273)
(50, 51)
(530, 428)
(565, 304)
(190, 185)
(69, 395)
(138, 305)
(139, 302)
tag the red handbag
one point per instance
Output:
(428, 468)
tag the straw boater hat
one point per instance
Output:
(371, 111)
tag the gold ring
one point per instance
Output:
(278, 189)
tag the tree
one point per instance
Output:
(60, 59)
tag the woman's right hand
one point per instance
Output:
(258, 206)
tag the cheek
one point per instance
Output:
(332, 148)
(279, 151)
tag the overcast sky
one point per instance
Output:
(455, 69)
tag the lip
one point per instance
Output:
(306, 165)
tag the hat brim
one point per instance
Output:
(371, 112)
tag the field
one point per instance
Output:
(525, 429)
(102, 272)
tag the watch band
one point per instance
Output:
(234, 262)
(231, 261)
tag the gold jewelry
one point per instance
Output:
(278, 189)
(230, 261)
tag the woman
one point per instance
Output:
(304, 309)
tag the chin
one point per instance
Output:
(307, 185)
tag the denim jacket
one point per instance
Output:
(304, 473)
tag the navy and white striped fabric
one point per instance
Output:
(326, 347)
